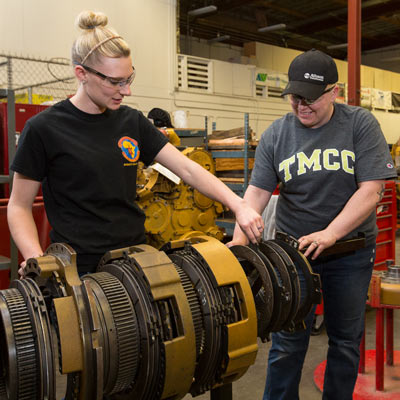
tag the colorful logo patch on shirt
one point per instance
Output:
(389, 165)
(129, 148)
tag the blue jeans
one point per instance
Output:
(345, 282)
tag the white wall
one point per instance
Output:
(228, 112)
(46, 28)
(390, 124)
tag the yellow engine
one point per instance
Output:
(175, 210)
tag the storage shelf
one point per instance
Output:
(232, 153)
(227, 224)
(190, 132)
(386, 220)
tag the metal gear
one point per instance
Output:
(20, 364)
(124, 359)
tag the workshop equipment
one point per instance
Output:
(386, 221)
(22, 112)
(173, 209)
(149, 324)
(384, 297)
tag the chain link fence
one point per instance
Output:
(36, 80)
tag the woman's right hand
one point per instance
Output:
(21, 270)
(22, 266)
(239, 237)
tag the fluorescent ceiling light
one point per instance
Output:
(337, 46)
(219, 39)
(271, 28)
(201, 11)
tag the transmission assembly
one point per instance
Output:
(149, 324)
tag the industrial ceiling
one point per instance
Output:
(300, 25)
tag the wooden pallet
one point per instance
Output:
(232, 164)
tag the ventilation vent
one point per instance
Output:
(194, 74)
(274, 92)
(261, 91)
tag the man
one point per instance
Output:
(331, 160)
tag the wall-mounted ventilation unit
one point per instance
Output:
(194, 74)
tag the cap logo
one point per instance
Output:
(314, 77)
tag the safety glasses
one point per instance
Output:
(297, 99)
(108, 81)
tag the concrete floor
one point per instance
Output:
(251, 385)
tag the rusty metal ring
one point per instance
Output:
(261, 286)
(312, 282)
(295, 284)
(281, 270)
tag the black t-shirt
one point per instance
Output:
(87, 164)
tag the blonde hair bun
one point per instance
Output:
(91, 19)
(96, 40)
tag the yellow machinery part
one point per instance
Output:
(390, 293)
(182, 221)
(384, 288)
(173, 138)
(202, 157)
(70, 337)
(158, 216)
(149, 324)
(145, 182)
(242, 343)
(84, 355)
(180, 352)
(172, 210)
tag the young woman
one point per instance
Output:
(85, 150)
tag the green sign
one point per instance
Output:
(261, 77)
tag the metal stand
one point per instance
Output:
(222, 392)
(375, 302)
(246, 153)
(239, 188)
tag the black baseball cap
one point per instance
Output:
(310, 73)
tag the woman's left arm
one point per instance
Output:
(208, 184)
(357, 209)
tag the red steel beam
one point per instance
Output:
(389, 336)
(354, 51)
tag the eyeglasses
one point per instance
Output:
(110, 82)
(297, 99)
